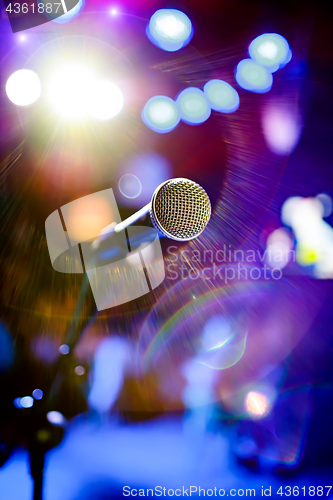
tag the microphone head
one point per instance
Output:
(180, 209)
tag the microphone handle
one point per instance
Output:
(133, 218)
(117, 228)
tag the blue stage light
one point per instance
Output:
(161, 114)
(221, 96)
(251, 76)
(169, 29)
(270, 50)
(193, 106)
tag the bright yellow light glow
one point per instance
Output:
(88, 216)
(23, 87)
(256, 404)
(69, 91)
(105, 100)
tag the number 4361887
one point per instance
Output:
(311, 491)
(24, 8)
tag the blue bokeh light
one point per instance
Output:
(270, 50)
(161, 114)
(25, 402)
(169, 29)
(37, 394)
(193, 106)
(253, 77)
(221, 96)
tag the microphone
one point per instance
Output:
(180, 209)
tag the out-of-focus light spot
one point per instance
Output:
(7, 352)
(43, 435)
(288, 210)
(56, 418)
(69, 91)
(246, 448)
(45, 349)
(193, 106)
(152, 169)
(79, 370)
(37, 394)
(68, 16)
(111, 358)
(257, 404)
(326, 202)
(200, 379)
(105, 100)
(221, 96)
(130, 186)
(17, 402)
(22, 38)
(305, 213)
(27, 402)
(23, 87)
(253, 77)
(217, 332)
(270, 50)
(87, 216)
(282, 128)
(222, 343)
(314, 236)
(64, 349)
(161, 114)
(114, 11)
(169, 29)
(279, 248)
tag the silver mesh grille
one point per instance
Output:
(180, 209)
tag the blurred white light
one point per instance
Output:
(22, 38)
(270, 50)
(253, 77)
(70, 91)
(170, 29)
(257, 404)
(217, 332)
(314, 236)
(37, 394)
(193, 105)
(279, 248)
(23, 87)
(221, 96)
(130, 186)
(79, 370)
(326, 202)
(105, 100)
(282, 128)
(27, 402)
(64, 349)
(111, 359)
(114, 11)
(56, 418)
(289, 208)
(161, 114)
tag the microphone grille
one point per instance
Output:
(180, 209)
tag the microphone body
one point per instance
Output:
(180, 209)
